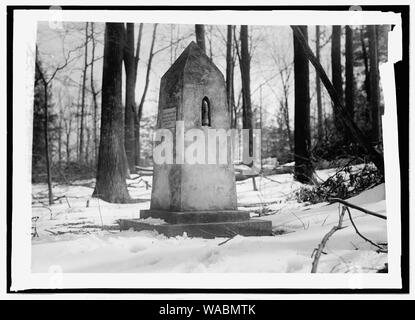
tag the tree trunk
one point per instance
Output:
(320, 131)
(130, 113)
(349, 73)
(60, 129)
(337, 72)
(78, 126)
(303, 171)
(143, 97)
(47, 152)
(245, 65)
(374, 84)
(287, 120)
(81, 134)
(200, 36)
(68, 130)
(110, 183)
(230, 74)
(347, 121)
(366, 62)
(94, 94)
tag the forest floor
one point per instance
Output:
(80, 233)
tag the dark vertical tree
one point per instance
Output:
(230, 73)
(320, 132)
(374, 83)
(68, 130)
(110, 183)
(303, 167)
(349, 94)
(346, 119)
(366, 62)
(200, 36)
(81, 134)
(336, 71)
(131, 63)
(46, 83)
(94, 93)
(245, 65)
(78, 113)
(60, 133)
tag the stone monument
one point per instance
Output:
(198, 198)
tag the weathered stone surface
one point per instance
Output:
(192, 187)
(252, 227)
(199, 199)
(196, 216)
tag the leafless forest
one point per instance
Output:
(314, 91)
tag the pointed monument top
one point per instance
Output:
(191, 54)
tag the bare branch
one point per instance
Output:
(317, 252)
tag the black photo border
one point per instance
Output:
(402, 92)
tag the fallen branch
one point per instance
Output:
(381, 249)
(317, 252)
(54, 233)
(229, 239)
(351, 205)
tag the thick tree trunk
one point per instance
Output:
(130, 112)
(81, 135)
(337, 73)
(303, 171)
(374, 84)
(200, 36)
(230, 74)
(110, 183)
(246, 87)
(320, 131)
(347, 121)
(349, 101)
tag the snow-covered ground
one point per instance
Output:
(71, 234)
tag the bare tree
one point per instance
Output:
(374, 83)
(349, 95)
(110, 184)
(60, 128)
(346, 119)
(131, 59)
(68, 130)
(320, 131)
(366, 62)
(245, 65)
(94, 92)
(336, 70)
(143, 96)
(81, 134)
(46, 83)
(303, 168)
(230, 65)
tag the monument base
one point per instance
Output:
(251, 227)
(184, 217)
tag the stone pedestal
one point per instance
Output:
(249, 227)
(196, 198)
